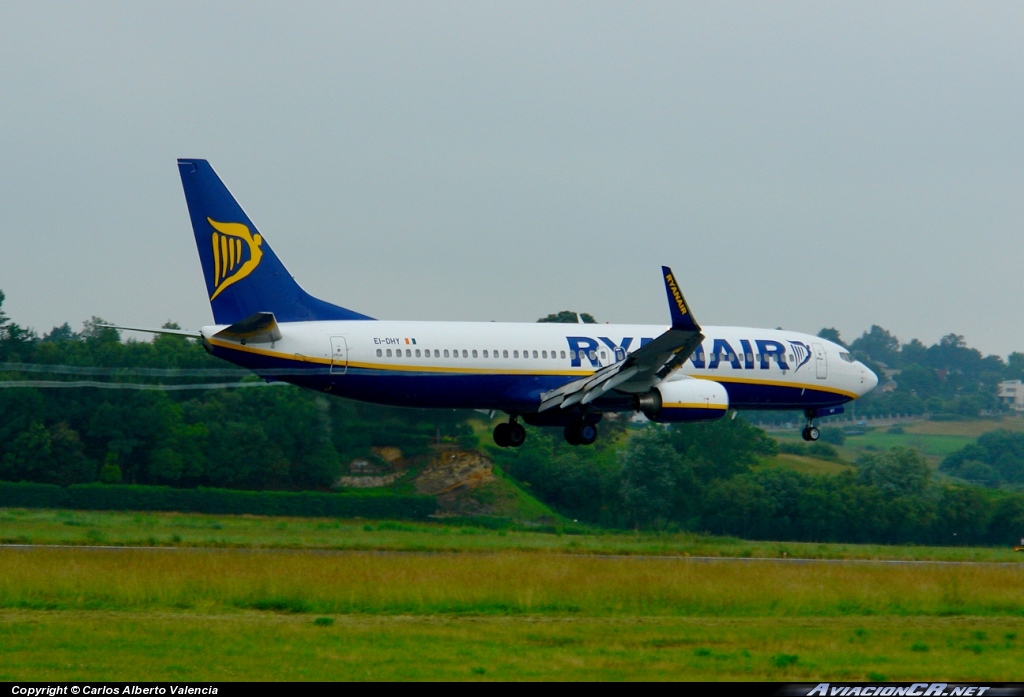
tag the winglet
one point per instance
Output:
(681, 317)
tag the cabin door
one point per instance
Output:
(339, 355)
(819, 361)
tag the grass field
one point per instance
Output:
(131, 646)
(250, 598)
(118, 528)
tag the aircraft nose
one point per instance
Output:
(870, 379)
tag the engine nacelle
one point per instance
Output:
(688, 399)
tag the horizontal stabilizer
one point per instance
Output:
(260, 328)
(171, 332)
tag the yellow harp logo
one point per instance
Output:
(236, 254)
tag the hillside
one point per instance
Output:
(465, 481)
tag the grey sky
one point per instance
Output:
(798, 164)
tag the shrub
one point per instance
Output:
(305, 504)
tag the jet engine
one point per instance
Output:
(686, 399)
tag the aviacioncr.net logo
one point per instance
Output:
(236, 253)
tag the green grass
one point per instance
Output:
(273, 602)
(805, 464)
(119, 528)
(503, 583)
(931, 445)
(99, 646)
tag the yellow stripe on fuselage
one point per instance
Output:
(777, 383)
(390, 367)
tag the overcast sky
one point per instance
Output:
(802, 165)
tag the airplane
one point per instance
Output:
(541, 374)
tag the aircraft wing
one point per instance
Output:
(647, 366)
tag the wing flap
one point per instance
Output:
(651, 363)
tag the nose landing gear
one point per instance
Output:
(810, 432)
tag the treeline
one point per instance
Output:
(703, 477)
(947, 378)
(996, 460)
(255, 438)
(308, 504)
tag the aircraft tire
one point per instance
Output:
(516, 435)
(812, 433)
(572, 434)
(501, 435)
(588, 433)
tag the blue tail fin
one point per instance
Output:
(243, 275)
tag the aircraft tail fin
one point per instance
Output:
(243, 275)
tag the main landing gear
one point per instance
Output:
(580, 433)
(810, 432)
(509, 435)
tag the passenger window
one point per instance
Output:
(465, 353)
(535, 354)
(474, 353)
(563, 354)
(604, 356)
(515, 354)
(437, 353)
(389, 353)
(379, 353)
(446, 353)
(593, 355)
(543, 354)
(485, 353)
(417, 353)
(408, 353)
(572, 354)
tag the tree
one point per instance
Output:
(897, 472)
(831, 334)
(569, 317)
(51, 455)
(918, 380)
(878, 344)
(657, 484)
(721, 449)
(1015, 366)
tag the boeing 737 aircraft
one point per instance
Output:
(566, 375)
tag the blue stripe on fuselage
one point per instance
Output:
(509, 392)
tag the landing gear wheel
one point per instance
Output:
(501, 435)
(810, 433)
(580, 433)
(516, 435)
(588, 434)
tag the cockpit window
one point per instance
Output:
(847, 357)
